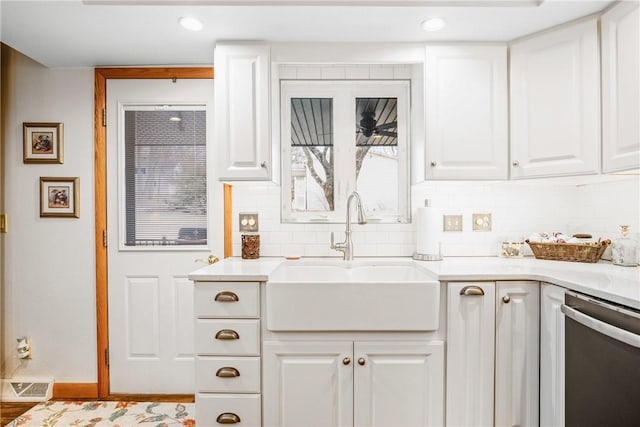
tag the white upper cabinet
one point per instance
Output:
(555, 102)
(242, 111)
(466, 112)
(621, 87)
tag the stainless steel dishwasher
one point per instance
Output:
(602, 363)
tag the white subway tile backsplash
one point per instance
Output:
(518, 209)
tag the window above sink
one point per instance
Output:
(343, 136)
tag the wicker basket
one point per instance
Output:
(578, 252)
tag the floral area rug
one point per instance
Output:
(111, 414)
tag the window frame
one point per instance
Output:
(121, 176)
(344, 94)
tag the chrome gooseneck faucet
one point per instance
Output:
(346, 247)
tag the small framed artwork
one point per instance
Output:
(42, 142)
(59, 197)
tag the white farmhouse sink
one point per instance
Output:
(360, 295)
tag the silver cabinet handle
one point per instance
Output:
(226, 296)
(472, 291)
(602, 327)
(228, 418)
(227, 372)
(227, 334)
(263, 165)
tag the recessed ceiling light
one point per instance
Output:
(190, 23)
(434, 24)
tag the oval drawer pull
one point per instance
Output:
(471, 291)
(226, 296)
(227, 334)
(228, 418)
(227, 372)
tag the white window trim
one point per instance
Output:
(344, 93)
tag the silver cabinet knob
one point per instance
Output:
(515, 163)
(361, 361)
(346, 361)
(506, 299)
(263, 165)
(434, 164)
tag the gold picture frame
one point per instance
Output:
(42, 142)
(60, 197)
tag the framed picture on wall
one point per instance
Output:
(60, 197)
(42, 142)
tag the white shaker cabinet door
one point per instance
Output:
(399, 383)
(466, 112)
(517, 347)
(242, 111)
(555, 102)
(308, 383)
(621, 87)
(551, 356)
(470, 353)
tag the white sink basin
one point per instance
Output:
(361, 295)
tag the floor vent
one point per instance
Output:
(26, 390)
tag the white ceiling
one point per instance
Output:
(73, 34)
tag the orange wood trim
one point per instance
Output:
(156, 73)
(101, 75)
(100, 192)
(228, 220)
(182, 398)
(75, 391)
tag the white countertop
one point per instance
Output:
(602, 280)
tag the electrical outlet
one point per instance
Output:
(248, 221)
(452, 223)
(481, 221)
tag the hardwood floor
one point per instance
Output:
(10, 410)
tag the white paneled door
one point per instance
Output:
(160, 212)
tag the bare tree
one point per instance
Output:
(324, 159)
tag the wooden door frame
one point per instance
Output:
(101, 75)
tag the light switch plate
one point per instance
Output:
(248, 221)
(481, 221)
(452, 223)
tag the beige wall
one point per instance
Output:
(49, 288)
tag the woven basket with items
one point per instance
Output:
(559, 247)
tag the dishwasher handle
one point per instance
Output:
(611, 331)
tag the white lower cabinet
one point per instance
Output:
(342, 383)
(517, 348)
(470, 346)
(227, 345)
(551, 356)
(492, 354)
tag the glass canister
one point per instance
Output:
(624, 249)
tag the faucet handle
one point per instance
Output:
(333, 241)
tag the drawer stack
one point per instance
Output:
(227, 344)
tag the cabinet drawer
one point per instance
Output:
(227, 299)
(242, 407)
(227, 337)
(228, 374)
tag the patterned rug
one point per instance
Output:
(103, 414)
